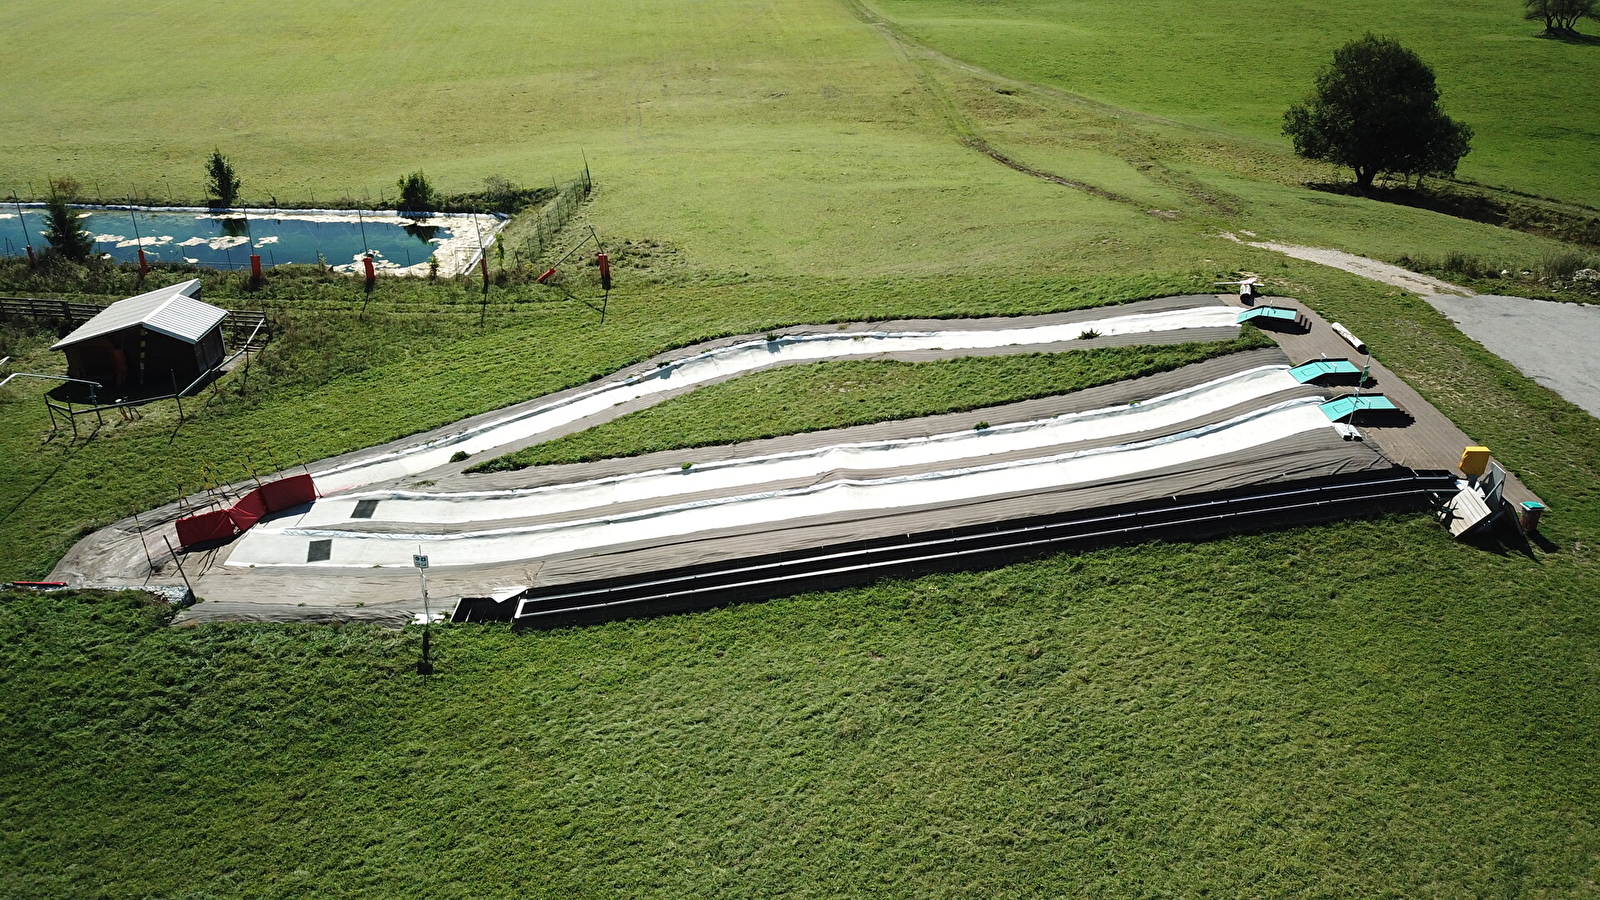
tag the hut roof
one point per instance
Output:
(172, 311)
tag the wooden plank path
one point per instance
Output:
(1431, 441)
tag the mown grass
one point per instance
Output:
(797, 399)
(1360, 709)
(1363, 709)
(1235, 67)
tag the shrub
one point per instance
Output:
(1561, 264)
(416, 194)
(221, 180)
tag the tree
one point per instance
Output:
(1375, 110)
(416, 194)
(62, 230)
(221, 180)
(1560, 17)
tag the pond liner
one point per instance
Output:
(751, 579)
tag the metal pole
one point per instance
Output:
(424, 665)
(21, 218)
(140, 528)
(180, 566)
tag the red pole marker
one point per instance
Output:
(144, 266)
(605, 269)
(546, 276)
(483, 263)
(31, 260)
(255, 266)
(372, 274)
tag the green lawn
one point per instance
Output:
(1362, 709)
(1234, 67)
(1357, 710)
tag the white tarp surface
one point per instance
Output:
(733, 360)
(939, 450)
(276, 545)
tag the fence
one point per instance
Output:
(549, 219)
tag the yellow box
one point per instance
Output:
(1474, 461)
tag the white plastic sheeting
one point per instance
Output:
(286, 546)
(732, 360)
(939, 450)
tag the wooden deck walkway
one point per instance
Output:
(1431, 441)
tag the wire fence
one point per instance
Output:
(549, 219)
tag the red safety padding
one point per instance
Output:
(248, 510)
(216, 525)
(287, 492)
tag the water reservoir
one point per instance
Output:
(224, 239)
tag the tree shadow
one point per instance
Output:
(1568, 36)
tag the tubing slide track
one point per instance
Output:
(1231, 444)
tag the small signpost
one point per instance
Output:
(424, 665)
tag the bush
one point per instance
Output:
(1466, 264)
(1561, 264)
(221, 180)
(416, 194)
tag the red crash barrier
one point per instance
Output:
(287, 492)
(248, 510)
(221, 524)
(210, 526)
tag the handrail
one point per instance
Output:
(96, 384)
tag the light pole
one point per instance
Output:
(424, 665)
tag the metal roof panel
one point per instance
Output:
(172, 311)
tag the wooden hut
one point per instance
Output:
(147, 343)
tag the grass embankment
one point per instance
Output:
(797, 399)
(1365, 709)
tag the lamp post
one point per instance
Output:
(424, 665)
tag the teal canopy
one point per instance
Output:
(1317, 368)
(1342, 408)
(1268, 312)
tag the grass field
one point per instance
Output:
(1234, 68)
(1362, 709)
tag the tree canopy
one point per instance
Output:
(1559, 16)
(1375, 110)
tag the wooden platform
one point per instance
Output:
(1430, 441)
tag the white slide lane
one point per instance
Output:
(732, 360)
(950, 449)
(1193, 447)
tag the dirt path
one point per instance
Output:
(1552, 343)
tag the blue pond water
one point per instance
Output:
(203, 238)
